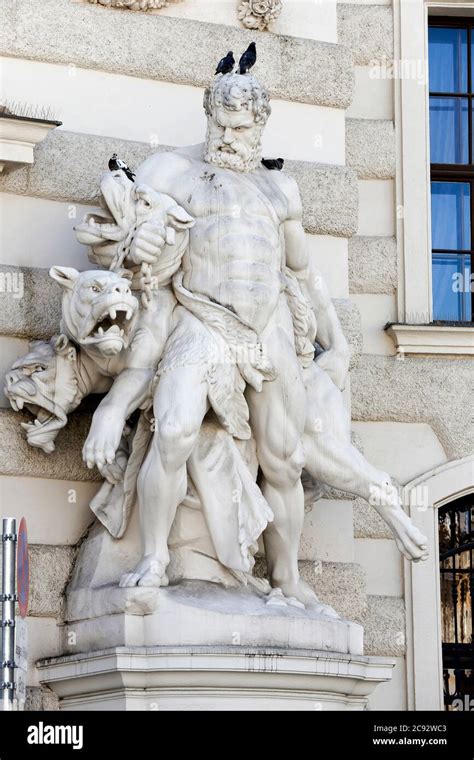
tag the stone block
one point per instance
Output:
(330, 197)
(372, 264)
(382, 563)
(40, 699)
(328, 532)
(367, 30)
(50, 568)
(405, 450)
(173, 49)
(37, 313)
(384, 626)
(18, 458)
(435, 391)
(339, 584)
(370, 148)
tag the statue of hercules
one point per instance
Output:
(247, 231)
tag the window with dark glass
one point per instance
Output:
(451, 77)
(456, 557)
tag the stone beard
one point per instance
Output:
(237, 109)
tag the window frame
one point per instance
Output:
(444, 484)
(457, 655)
(414, 332)
(462, 173)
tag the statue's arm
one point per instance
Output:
(336, 357)
(129, 391)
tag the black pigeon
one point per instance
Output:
(248, 58)
(116, 163)
(226, 64)
(273, 163)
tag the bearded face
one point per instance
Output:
(233, 139)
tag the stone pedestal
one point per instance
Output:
(200, 613)
(199, 646)
(213, 678)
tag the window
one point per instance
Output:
(456, 554)
(451, 76)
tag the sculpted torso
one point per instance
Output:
(235, 254)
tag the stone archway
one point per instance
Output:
(423, 496)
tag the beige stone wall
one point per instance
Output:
(335, 126)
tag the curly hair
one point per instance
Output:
(237, 91)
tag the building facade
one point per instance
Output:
(351, 107)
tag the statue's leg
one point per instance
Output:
(277, 416)
(331, 458)
(180, 404)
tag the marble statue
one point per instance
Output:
(221, 361)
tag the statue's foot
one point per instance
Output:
(150, 571)
(301, 591)
(409, 539)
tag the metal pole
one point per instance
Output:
(8, 611)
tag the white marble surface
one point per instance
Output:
(214, 678)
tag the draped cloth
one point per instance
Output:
(234, 508)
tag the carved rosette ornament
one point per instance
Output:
(135, 5)
(258, 14)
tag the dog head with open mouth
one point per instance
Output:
(44, 383)
(98, 309)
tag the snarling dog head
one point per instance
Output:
(44, 383)
(98, 309)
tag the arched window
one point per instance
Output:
(456, 556)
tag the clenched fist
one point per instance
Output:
(148, 242)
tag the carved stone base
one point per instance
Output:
(199, 613)
(213, 678)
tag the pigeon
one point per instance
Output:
(116, 163)
(273, 163)
(226, 64)
(248, 58)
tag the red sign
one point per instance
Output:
(22, 569)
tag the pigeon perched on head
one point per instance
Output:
(247, 59)
(226, 64)
(116, 163)
(273, 163)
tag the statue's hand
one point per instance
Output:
(115, 471)
(148, 242)
(103, 440)
(336, 363)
